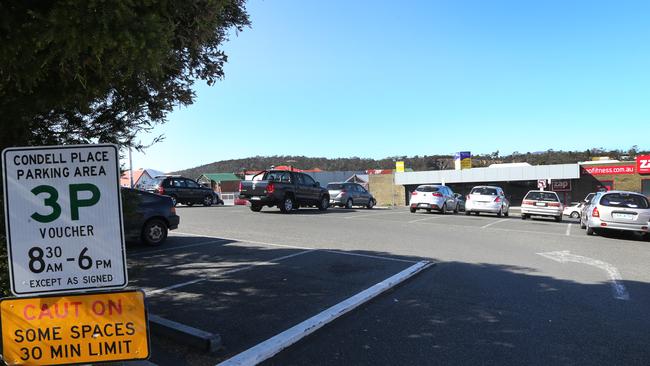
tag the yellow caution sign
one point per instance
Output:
(399, 166)
(73, 329)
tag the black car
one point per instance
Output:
(285, 189)
(184, 190)
(147, 217)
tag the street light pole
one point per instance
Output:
(130, 167)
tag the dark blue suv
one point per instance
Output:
(147, 217)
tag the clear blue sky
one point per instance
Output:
(378, 78)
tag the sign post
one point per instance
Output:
(399, 166)
(63, 212)
(64, 219)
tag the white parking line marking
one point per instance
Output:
(370, 256)
(377, 214)
(568, 230)
(243, 241)
(426, 218)
(272, 346)
(494, 223)
(180, 247)
(620, 293)
(234, 270)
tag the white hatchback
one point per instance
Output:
(433, 197)
(487, 199)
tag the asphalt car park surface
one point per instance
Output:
(494, 296)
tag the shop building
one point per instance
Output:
(572, 182)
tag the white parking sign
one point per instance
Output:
(63, 214)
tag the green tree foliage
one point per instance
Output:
(417, 163)
(86, 71)
(103, 70)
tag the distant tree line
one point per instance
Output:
(417, 163)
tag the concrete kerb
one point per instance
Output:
(196, 338)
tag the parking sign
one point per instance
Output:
(63, 215)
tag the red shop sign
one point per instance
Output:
(643, 164)
(610, 170)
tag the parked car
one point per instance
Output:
(285, 189)
(148, 217)
(585, 204)
(542, 203)
(461, 201)
(487, 199)
(345, 194)
(183, 190)
(616, 210)
(433, 197)
(589, 197)
(573, 210)
(215, 198)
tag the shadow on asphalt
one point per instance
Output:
(485, 314)
(456, 313)
(314, 211)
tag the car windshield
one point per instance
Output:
(427, 189)
(334, 186)
(542, 196)
(484, 191)
(157, 182)
(624, 200)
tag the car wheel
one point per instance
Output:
(348, 203)
(428, 210)
(324, 203)
(500, 213)
(456, 209)
(256, 208)
(154, 232)
(477, 213)
(413, 210)
(582, 224)
(443, 210)
(524, 216)
(207, 201)
(371, 204)
(590, 230)
(558, 218)
(174, 200)
(287, 204)
(507, 213)
(190, 204)
(575, 215)
(467, 213)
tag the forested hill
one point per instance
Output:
(427, 162)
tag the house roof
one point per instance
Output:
(220, 177)
(125, 179)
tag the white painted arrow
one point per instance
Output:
(565, 256)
